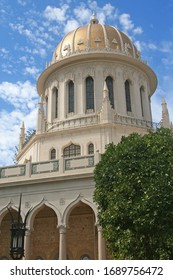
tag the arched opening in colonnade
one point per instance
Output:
(5, 233)
(44, 239)
(82, 237)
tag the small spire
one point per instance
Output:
(105, 90)
(40, 118)
(165, 122)
(22, 136)
(163, 100)
(94, 20)
(22, 130)
(106, 113)
(23, 125)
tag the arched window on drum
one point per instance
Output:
(110, 86)
(70, 87)
(128, 96)
(53, 154)
(90, 149)
(55, 102)
(72, 150)
(89, 83)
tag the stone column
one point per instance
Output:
(101, 245)
(62, 243)
(27, 244)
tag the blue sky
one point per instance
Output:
(30, 31)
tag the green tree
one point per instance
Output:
(134, 193)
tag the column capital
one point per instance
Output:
(99, 227)
(62, 242)
(101, 244)
(62, 229)
(28, 231)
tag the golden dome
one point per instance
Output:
(95, 37)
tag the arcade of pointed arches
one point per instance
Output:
(54, 235)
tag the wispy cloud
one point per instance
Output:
(4, 52)
(56, 14)
(19, 94)
(9, 135)
(23, 100)
(71, 25)
(22, 2)
(33, 71)
(126, 22)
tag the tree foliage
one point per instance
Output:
(134, 193)
(29, 134)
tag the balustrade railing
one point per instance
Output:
(53, 167)
(95, 119)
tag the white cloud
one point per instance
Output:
(9, 135)
(41, 52)
(82, 13)
(37, 39)
(22, 2)
(138, 45)
(4, 52)
(144, 46)
(152, 46)
(21, 29)
(166, 47)
(24, 58)
(33, 71)
(6, 68)
(137, 30)
(71, 25)
(56, 14)
(19, 94)
(126, 22)
(167, 61)
(24, 98)
(109, 10)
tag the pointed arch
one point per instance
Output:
(6, 219)
(89, 87)
(70, 87)
(90, 148)
(73, 204)
(52, 153)
(110, 86)
(142, 92)
(37, 208)
(46, 106)
(55, 102)
(128, 96)
(72, 150)
(5, 211)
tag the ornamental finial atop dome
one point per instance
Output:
(94, 20)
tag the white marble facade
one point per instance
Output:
(55, 167)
